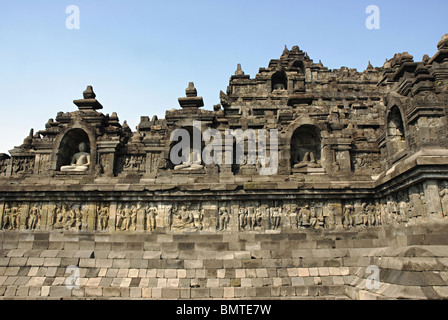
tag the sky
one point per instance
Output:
(140, 55)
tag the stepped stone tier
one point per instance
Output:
(355, 176)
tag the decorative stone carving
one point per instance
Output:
(4, 162)
(126, 217)
(370, 138)
(223, 219)
(22, 165)
(444, 199)
(103, 217)
(80, 161)
(348, 219)
(34, 217)
(132, 163)
(303, 217)
(186, 219)
(275, 217)
(192, 162)
(151, 215)
(11, 217)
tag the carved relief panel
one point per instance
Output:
(131, 163)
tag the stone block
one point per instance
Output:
(216, 293)
(193, 264)
(86, 263)
(10, 291)
(93, 292)
(52, 262)
(16, 253)
(135, 293)
(121, 263)
(212, 283)
(11, 271)
(200, 293)
(229, 293)
(60, 292)
(146, 293)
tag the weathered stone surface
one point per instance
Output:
(359, 179)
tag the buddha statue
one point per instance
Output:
(80, 161)
(192, 163)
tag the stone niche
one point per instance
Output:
(306, 147)
(69, 146)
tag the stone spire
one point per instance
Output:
(239, 71)
(285, 52)
(88, 93)
(89, 102)
(191, 90)
(192, 100)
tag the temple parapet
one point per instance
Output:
(342, 142)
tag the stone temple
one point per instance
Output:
(359, 185)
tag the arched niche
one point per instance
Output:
(298, 66)
(396, 135)
(306, 147)
(279, 81)
(191, 155)
(69, 146)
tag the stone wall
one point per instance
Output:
(413, 264)
(359, 159)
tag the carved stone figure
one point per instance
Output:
(121, 218)
(193, 161)
(53, 213)
(132, 224)
(403, 212)
(126, 217)
(21, 166)
(347, 219)
(33, 218)
(304, 217)
(444, 200)
(370, 219)
(3, 166)
(250, 217)
(6, 221)
(258, 218)
(80, 161)
(60, 216)
(223, 218)
(314, 223)
(276, 217)
(183, 219)
(72, 218)
(242, 218)
(151, 214)
(103, 218)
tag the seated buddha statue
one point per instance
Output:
(80, 161)
(192, 163)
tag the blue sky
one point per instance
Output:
(140, 55)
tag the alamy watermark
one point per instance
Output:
(72, 281)
(373, 20)
(73, 20)
(229, 148)
(373, 280)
